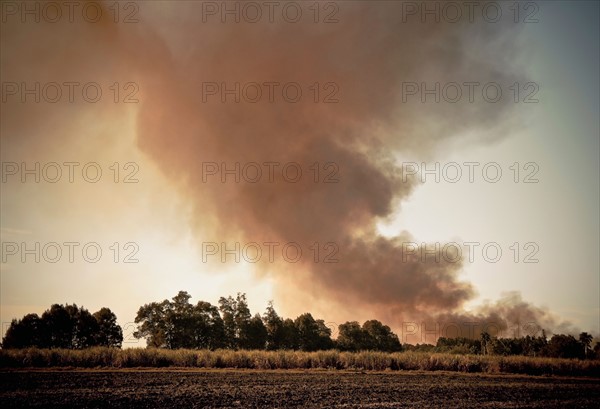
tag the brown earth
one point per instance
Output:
(289, 389)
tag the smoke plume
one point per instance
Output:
(353, 133)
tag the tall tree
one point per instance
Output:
(208, 328)
(60, 326)
(290, 336)
(485, 343)
(380, 337)
(254, 334)
(313, 334)
(586, 342)
(236, 318)
(109, 333)
(179, 314)
(351, 337)
(597, 350)
(274, 326)
(227, 307)
(86, 328)
(324, 335)
(242, 316)
(154, 325)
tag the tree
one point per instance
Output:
(313, 334)
(351, 337)
(179, 314)
(586, 342)
(307, 332)
(236, 318)
(373, 335)
(533, 346)
(86, 328)
(242, 318)
(324, 336)
(290, 336)
(597, 350)
(275, 329)
(24, 333)
(564, 346)
(253, 334)
(60, 326)
(506, 346)
(485, 343)
(227, 308)
(179, 324)
(242, 312)
(154, 325)
(209, 331)
(380, 337)
(109, 333)
(69, 327)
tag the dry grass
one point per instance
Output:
(366, 360)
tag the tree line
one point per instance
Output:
(558, 346)
(177, 323)
(65, 326)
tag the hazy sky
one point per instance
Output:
(560, 213)
(161, 219)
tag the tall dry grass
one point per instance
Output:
(100, 357)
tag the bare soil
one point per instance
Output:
(289, 389)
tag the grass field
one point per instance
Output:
(219, 388)
(378, 361)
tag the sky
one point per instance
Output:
(159, 133)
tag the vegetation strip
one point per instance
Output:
(285, 359)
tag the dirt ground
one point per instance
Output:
(289, 389)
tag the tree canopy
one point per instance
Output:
(65, 326)
(177, 323)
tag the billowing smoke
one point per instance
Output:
(192, 124)
(336, 101)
